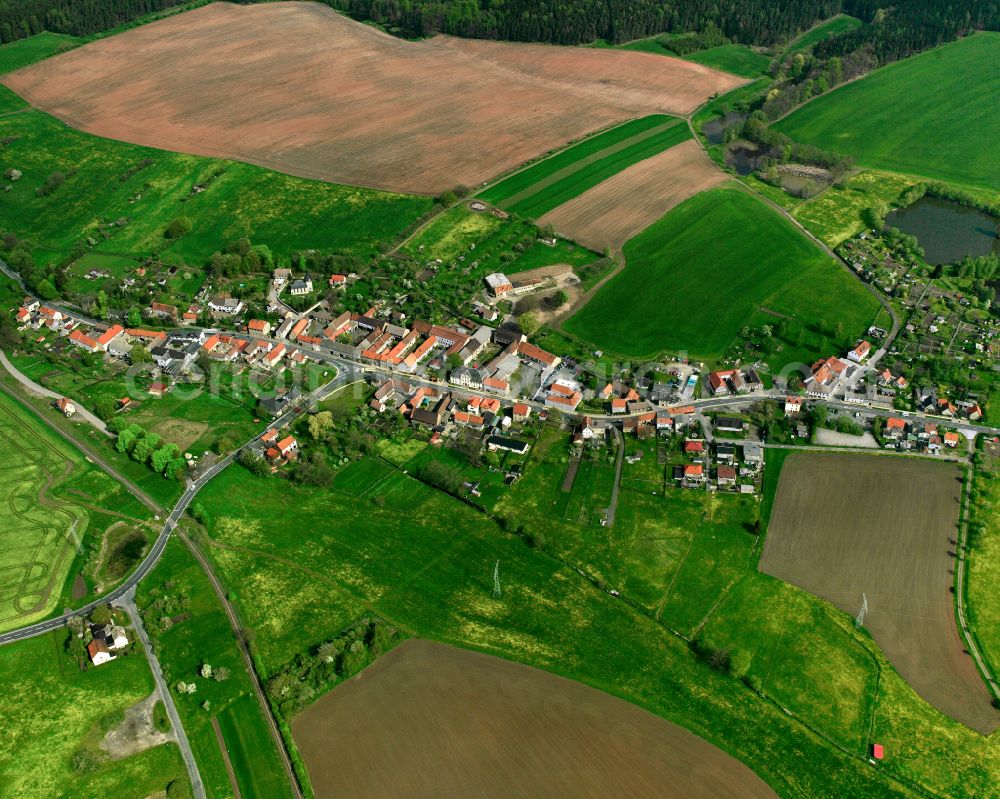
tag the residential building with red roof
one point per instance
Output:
(259, 326)
(860, 352)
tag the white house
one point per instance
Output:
(860, 352)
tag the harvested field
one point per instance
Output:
(614, 211)
(844, 525)
(341, 101)
(428, 720)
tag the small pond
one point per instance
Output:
(715, 129)
(743, 157)
(947, 230)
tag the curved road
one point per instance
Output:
(41, 391)
(147, 564)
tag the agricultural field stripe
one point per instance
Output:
(530, 175)
(575, 166)
(576, 183)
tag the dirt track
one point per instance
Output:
(844, 525)
(428, 720)
(614, 211)
(299, 88)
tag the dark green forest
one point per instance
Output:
(22, 18)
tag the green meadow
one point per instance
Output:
(200, 633)
(54, 717)
(35, 48)
(733, 58)
(549, 183)
(932, 115)
(121, 197)
(735, 262)
(818, 33)
(430, 573)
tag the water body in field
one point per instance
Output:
(947, 230)
(716, 128)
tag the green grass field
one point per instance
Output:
(982, 598)
(201, 634)
(831, 27)
(55, 715)
(109, 181)
(539, 188)
(931, 115)
(53, 516)
(35, 48)
(727, 256)
(430, 573)
(733, 58)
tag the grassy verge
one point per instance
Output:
(189, 630)
(55, 716)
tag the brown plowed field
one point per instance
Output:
(614, 211)
(301, 89)
(844, 525)
(428, 720)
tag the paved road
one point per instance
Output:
(151, 559)
(41, 391)
(127, 601)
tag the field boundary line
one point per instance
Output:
(961, 569)
(239, 631)
(220, 739)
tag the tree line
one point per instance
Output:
(22, 18)
(583, 21)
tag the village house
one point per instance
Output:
(793, 406)
(860, 352)
(563, 397)
(337, 281)
(494, 443)
(727, 381)
(895, 428)
(725, 476)
(66, 406)
(229, 306)
(521, 411)
(107, 638)
(694, 473)
(260, 327)
(498, 284)
(96, 341)
(753, 455)
(729, 424)
(951, 440)
(163, 311)
(301, 286)
(694, 447)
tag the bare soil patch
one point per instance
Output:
(337, 100)
(614, 211)
(844, 525)
(181, 432)
(428, 720)
(137, 732)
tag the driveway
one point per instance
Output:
(41, 391)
